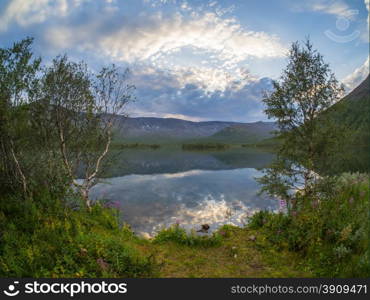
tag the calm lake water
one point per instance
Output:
(157, 188)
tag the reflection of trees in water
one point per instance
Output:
(348, 159)
(174, 160)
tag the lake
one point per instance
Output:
(157, 188)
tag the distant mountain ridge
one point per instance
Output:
(171, 129)
(246, 132)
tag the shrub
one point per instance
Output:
(178, 235)
(329, 228)
(60, 242)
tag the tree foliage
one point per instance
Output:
(18, 82)
(305, 90)
(56, 122)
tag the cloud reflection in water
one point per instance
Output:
(192, 198)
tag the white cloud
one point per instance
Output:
(367, 4)
(187, 62)
(212, 79)
(333, 7)
(151, 37)
(218, 45)
(358, 75)
(172, 94)
(30, 12)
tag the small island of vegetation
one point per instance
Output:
(205, 146)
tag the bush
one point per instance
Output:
(329, 229)
(178, 235)
(59, 242)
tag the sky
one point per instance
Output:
(191, 59)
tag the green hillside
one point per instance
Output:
(353, 111)
(245, 133)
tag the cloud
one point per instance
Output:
(367, 4)
(154, 36)
(187, 62)
(25, 13)
(337, 8)
(358, 75)
(200, 46)
(164, 94)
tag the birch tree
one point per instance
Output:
(18, 82)
(304, 91)
(83, 110)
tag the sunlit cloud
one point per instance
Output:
(154, 36)
(358, 75)
(189, 59)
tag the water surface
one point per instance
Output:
(157, 188)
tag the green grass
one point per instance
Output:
(236, 255)
(59, 242)
(178, 235)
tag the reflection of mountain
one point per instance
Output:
(140, 161)
(160, 129)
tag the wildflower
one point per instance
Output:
(350, 200)
(282, 204)
(102, 264)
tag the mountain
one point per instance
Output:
(170, 129)
(245, 133)
(353, 111)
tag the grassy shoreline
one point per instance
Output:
(81, 244)
(46, 238)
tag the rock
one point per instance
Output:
(252, 238)
(204, 229)
(83, 251)
(102, 264)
